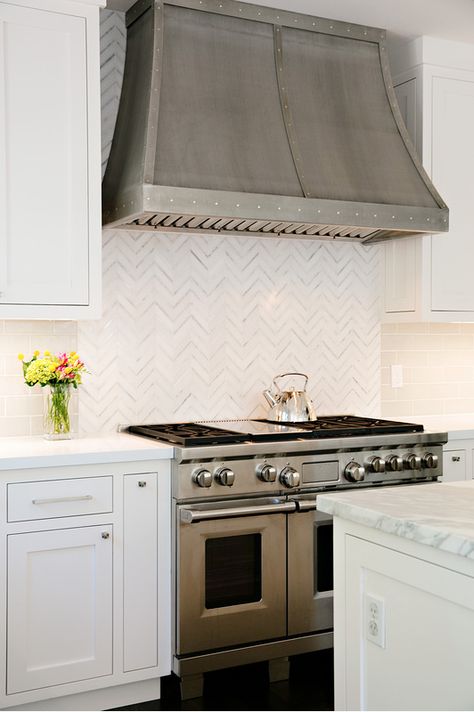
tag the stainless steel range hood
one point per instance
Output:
(244, 119)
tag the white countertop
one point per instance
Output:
(25, 452)
(440, 515)
(460, 426)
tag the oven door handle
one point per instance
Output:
(190, 516)
(306, 505)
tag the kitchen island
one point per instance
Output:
(403, 596)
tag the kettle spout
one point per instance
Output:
(272, 401)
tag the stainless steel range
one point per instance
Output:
(252, 555)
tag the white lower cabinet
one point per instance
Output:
(59, 607)
(85, 606)
(140, 575)
(458, 460)
(454, 465)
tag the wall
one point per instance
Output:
(438, 369)
(196, 327)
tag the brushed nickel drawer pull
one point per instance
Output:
(105, 535)
(456, 458)
(54, 500)
(142, 483)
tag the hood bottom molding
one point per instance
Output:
(175, 222)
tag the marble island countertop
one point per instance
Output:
(27, 452)
(440, 515)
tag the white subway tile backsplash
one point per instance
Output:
(28, 327)
(21, 407)
(24, 405)
(397, 409)
(13, 344)
(438, 368)
(11, 426)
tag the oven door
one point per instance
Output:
(310, 569)
(231, 573)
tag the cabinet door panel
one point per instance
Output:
(452, 286)
(140, 571)
(59, 607)
(454, 465)
(43, 125)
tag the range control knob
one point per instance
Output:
(430, 461)
(413, 462)
(267, 473)
(225, 476)
(394, 463)
(354, 472)
(202, 477)
(289, 477)
(376, 464)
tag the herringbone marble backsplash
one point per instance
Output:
(196, 327)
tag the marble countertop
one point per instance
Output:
(26, 452)
(440, 515)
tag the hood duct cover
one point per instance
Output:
(243, 119)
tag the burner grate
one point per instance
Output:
(261, 430)
(333, 426)
(186, 434)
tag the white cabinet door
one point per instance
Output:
(452, 255)
(140, 575)
(430, 278)
(49, 180)
(59, 608)
(454, 465)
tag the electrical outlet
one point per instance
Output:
(397, 376)
(375, 620)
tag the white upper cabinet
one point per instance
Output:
(430, 278)
(50, 229)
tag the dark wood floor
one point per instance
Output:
(310, 687)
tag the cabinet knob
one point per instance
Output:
(141, 483)
(105, 535)
(456, 458)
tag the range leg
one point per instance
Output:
(279, 669)
(191, 686)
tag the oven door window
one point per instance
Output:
(233, 570)
(323, 557)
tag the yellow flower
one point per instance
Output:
(47, 353)
(38, 371)
(36, 353)
(21, 357)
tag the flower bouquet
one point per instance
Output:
(60, 372)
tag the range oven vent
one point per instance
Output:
(250, 120)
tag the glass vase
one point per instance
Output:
(57, 419)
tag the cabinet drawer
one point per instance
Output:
(454, 465)
(59, 498)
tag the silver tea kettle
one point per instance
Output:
(289, 406)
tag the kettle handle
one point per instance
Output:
(291, 373)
